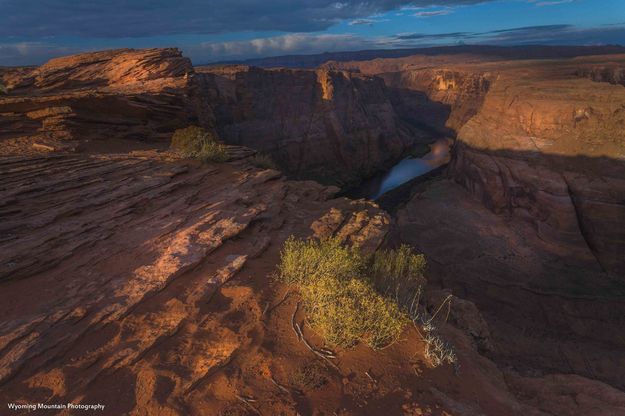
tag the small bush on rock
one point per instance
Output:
(348, 311)
(195, 142)
(341, 302)
(351, 297)
(304, 261)
(437, 350)
(398, 274)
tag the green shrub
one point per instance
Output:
(263, 161)
(347, 311)
(195, 142)
(398, 274)
(304, 261)
(351, 297)
(337, 290)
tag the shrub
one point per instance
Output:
(398, 274)
(340, 299)
(350, 297)
(436, 350)
(263, 161)
(303, 261)
(197, 143)
(347, 311)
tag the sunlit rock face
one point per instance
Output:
(334, 126)
(539, 140)
(549, 147)
(141, 95)
(452, 96)
(434, 93)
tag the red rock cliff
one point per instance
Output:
(120, 94)
(539, 140)
(331, 125)
(550, 147)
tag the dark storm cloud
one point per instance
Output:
(142, 18)
(423, 36)
(547, 34)
(562, 34)
(533, 29)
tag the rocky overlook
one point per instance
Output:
(133, 277)
(85, 100)
(334, 126)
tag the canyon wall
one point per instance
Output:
(539, 140)
(542, 141)
(432, 93)
(334, 126)
(451, 97)
(550, 148)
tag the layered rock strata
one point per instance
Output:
(334, 126)
(79, 101)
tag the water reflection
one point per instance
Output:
(410, 168)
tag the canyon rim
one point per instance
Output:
(393, 231)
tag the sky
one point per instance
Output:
(33, 31)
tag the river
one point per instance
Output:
(407, 170)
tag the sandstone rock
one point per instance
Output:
(329, 125)
(461, 313)
(129, 257)
(142, 95)
(547, 147)
(542, 141)
(542, 314)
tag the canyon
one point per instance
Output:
(141, 280)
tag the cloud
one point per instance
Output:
(29, 53)
(295, 43)
(366, 22)
(434, 13)
(528, 33)
(143, 18)
(436, 36)
(563, 34)
(362, 22)
(305, 43)
(550, 3)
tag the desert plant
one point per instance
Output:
(347, 311)
(195, 142)
(303, 261)
(351, 297)
(3, 89)
(341, 302)
(397, 273)
(263, 161)
(437, 351)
